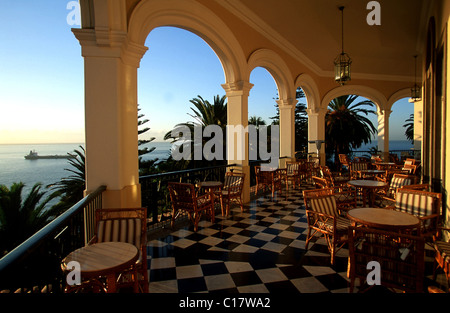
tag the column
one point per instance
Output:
(383, 132)
(287, 129)
(237, 131)
(111, 115)
(316, 131)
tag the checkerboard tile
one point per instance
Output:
(260, 250)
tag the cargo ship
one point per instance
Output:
(33, 155)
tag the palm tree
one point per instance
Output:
(21, 218)
(347, 126)
(256, 120)
(301, 121)
(71, 188)
(205, 114)
(409, 131)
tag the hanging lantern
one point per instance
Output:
(416, 91)
(342, 63)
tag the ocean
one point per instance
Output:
(393, 145)
(15, 168)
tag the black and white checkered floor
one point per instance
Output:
(260, 250)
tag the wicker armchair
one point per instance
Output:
(386, 196)
(442, 255)
(231, 191)
(271, 179)
(401, 258)
(356, 167)
(185, 199)
(324, 218)
(293, 174)
(423, 204)
(346, 196)
(125, 225)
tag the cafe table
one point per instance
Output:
(213, 187)
(107, 259)
(367, 187)
(371, 172)
(382, 218)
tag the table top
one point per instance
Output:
(383, 218)
(103, 258)
(210, 184)
(373, 171)
(367, 183)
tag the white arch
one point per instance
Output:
(194, 17)
(275, 65)
(403, 93)
(309, 86)
(372, 94)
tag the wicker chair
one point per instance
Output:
(324, 218)
(442, 255)
(269, 179)
(346, 196)
(423, 204)
(356, 167)
(386, 196)
(293, 174)
(184, 198)
(335, 181)
(400, 256)
(344, 160)
(125, 225)
(231, 191)
(262, 179)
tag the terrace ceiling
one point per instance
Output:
(310, 30)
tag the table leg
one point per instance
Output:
(111, 283)
(364, 196)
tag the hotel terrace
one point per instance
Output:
(264, 246)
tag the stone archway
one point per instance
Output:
(112, 49)
(280, 72)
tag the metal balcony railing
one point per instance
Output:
(34, 266)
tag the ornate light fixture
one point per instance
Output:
(342, 70)
(416, 92)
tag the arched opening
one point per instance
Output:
(263, 110)
(402, 114)
(351, 127)
(178, 68)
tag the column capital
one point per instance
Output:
(238, 88)
(287, 103)
(107, 43)
(316, 111)
(384, 112)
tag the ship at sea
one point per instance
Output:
(33, 155)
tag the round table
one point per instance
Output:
(212, 187)
(104, 259)
(383, 218)
(367, 186)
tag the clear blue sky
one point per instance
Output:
(42, 79)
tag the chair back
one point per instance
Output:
(400, 256)
(344, 159)
(234, 182)
(358, 166)
(423, 204)
(320, 182)
(325, 204)
(292, 168)
(314, 193)
(182, 195)
(398, 181)
(122, 225)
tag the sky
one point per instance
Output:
(42, 78)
